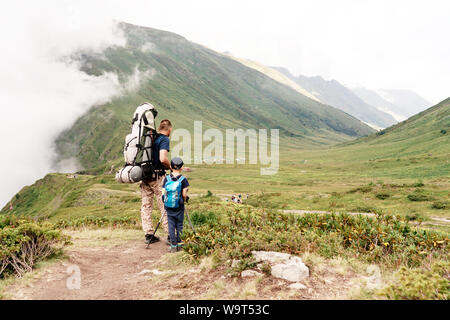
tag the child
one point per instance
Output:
(175, 189)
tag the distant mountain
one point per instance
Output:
(407, 102)
(187, 82)
(401, 104)
(335, 94)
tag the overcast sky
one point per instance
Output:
(376, 44)
(372, 43)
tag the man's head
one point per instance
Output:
(165, 127)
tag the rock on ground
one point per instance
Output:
(284, 266)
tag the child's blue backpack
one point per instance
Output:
(173, 192)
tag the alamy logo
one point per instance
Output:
(73, 282)
(209, 146)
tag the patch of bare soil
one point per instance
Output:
(105, 273)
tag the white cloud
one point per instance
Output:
(135, 80)
(40, 95)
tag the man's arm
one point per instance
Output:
(164, 159)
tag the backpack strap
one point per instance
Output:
(144, 117)
(181, 179)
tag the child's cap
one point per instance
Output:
(176, 163)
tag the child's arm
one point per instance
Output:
(184, 193)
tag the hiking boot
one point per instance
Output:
(180, 246)
(149, 239)
(173, 248)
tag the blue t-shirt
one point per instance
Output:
(184, 184)
(162, 142)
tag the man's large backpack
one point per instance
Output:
(137, 151)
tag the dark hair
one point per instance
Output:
(164, 125)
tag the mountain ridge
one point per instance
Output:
(191, 82)
(333, 93)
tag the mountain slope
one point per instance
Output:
(425, 134)
(335, 94)
(276, 75)
(188, 82)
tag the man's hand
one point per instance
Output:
(164, 159)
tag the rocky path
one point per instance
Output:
(118, 272)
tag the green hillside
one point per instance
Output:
(427, 133)
(189, 82)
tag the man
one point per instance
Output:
(149, 188)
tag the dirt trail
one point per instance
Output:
(106, 273)
(122, 269)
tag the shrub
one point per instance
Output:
(382, 195)
(363, 189)
(417, 284)
(237, 231)
(418, 197)
(266, 268)
(364, 209)
(414, 217)
(440, 205)
(263, 200)
(23, 243)
(418, 184)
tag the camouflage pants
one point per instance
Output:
(148, 190)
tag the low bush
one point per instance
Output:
(418, 184)
(418, 197)
(208, 194)
(263, 200)
(417, 284)
(363, 189)
(382, 195)
(440, 205)
(364, 209)
(24, 242)
(384, 238)
(415, 217)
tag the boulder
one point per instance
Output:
(293, 272)
(284, 266)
